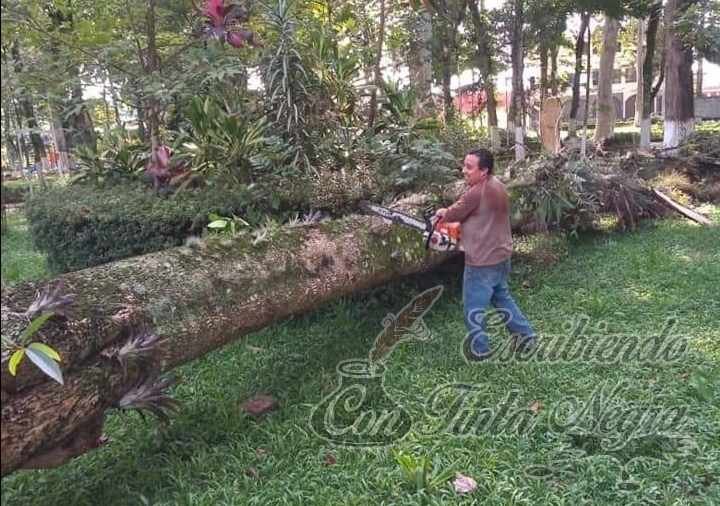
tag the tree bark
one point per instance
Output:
(484, 59)
(420, 61)
(554, 69)
(517, 105)
(647, 73)
(378, 80)
(588, 77)
(151, 64)
(699, 83)
(27, 111)
(579, 46)
(605, 115)
(639, 61)
(451, 14)
(195, 300)
(544, 54)
(679, 100)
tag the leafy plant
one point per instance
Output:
(286, 78)
(48, 303)
(418, 471)
(122, 161)
(423, 163)
(221, 144)
(224, 225)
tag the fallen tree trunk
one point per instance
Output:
(194, 299)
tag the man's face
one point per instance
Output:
(472, 171)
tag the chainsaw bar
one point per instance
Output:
(433, 239)
(397, 217)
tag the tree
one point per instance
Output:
(639, 61)
(648, 93)
(378, 80)
(605, 117)
(579, 46)
(679, 101)
(420, 60)
(449, 14)
(484, 58)
(517, 106)
(117, 339)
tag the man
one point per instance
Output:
(484, 212)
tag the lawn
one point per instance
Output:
(20, 260)
(212, 453)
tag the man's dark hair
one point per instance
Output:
(485, 159)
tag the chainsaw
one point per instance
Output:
(445, 237)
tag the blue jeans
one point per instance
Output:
(487, 285)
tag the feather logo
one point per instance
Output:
(406, 325)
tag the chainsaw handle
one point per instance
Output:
(430, 225)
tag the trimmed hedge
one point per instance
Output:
(82, 226)
(14, 194)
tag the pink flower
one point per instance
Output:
(215, 11)
(464, 484)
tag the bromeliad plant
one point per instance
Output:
(226, 21)
(47, 304)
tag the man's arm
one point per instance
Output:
(461, 209)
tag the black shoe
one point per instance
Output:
(471, 356)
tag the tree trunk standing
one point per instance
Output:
(588, 78)
(579, 46)
(21, 141)
(679, 100)
(420, 61)
(27, 111)
(517, 104)
(106, 107)
(446, 73)
(554, 87)
(450, 14)
(55, 109)
(140, 111)
(82, 130)
(9, 137)
(544, 54)
(605, 115)
(485, 64)
(639, 61)
(651, 31)
(194, 303)
(699, 84)
(151, 65)
(378, 79)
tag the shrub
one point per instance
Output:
(80, 226)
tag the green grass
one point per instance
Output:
(213, 454)
(20, 260)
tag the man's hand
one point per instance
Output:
(440, 213)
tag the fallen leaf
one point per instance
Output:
(254, 349)
(252, 472)
(261, 452)
(526, 284)
(464, 484)
(259, 405)
(329, 459)
(535, 407)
